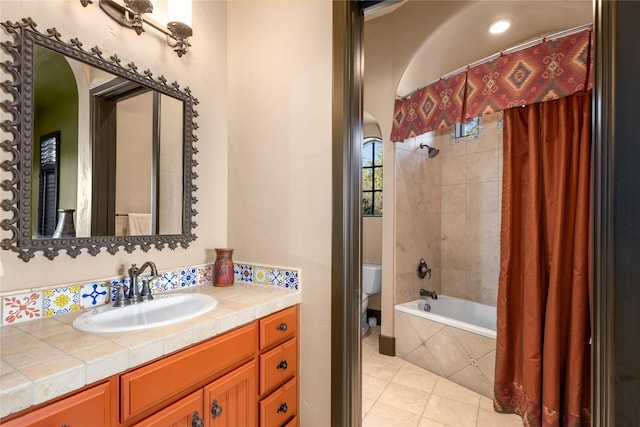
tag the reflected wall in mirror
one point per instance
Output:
(96, 137)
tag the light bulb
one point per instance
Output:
(500, 26)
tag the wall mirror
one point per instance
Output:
(96, 141)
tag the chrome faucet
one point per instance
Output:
(428, 294)
(137, 295)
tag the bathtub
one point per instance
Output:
(455, 340)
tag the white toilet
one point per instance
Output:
(371, 284)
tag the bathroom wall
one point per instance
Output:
(203, 69)
(417, 218)
(471, 179)
(280, 86)
(448, 212)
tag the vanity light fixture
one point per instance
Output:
(499, 26)
(134, 14)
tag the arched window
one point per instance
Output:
(372, 176)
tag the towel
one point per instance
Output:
(139, 224)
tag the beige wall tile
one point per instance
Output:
(472, 378)
(483, 287)
(482, 257)
(453, 198)
(454, 170)
(482, 227)
(453, 227)
(484, 166)
(453, 283)
(482, 197)
(453, 255)
(425, 328)
(422, 357)
(407, 338)
(447, 351)
(476, 345)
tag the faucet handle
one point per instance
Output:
(145, 292)
(121, 299)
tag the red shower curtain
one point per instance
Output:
(542, 353)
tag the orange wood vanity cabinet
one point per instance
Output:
(245, 377)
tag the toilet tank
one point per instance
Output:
(371, 278)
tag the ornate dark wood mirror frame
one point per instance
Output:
(20, 106)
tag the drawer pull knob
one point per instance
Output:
(282, 327)
(215, 409)
(283, 408)
(196, 421)
(282, 365)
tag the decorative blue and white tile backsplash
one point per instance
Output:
(34, 304)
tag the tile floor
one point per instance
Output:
(396, 393)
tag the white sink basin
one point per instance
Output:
(161, 311)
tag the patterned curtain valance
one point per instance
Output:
(432, 107)
(549, 70)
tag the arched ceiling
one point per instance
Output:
(463, 37)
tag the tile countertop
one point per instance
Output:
(46, 358)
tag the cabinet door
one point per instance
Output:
(231, 400)
(180, 414)
(87, 408)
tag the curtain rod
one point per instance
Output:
(536, 41)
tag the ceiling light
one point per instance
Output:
(499, 26)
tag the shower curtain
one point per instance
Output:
(543, 355)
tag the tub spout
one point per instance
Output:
(428, 294)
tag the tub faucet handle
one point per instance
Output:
(423, 269)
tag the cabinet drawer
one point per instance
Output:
(180, 414)
(278, 365)
(278, 327)
(87, 408)
(145, 388)
(280, 406)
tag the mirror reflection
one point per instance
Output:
(101, 154)
(107, 147)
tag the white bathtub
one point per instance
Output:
(455, 340)
(462, 314)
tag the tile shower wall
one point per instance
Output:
(44, 302)
(417, 218)
(448, 212)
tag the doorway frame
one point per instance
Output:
(348, 25)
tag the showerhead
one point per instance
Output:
(432, 151)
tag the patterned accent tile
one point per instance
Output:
(21, 307)
(169, 281)
(113, 289)
(188, 277)
(291, 279)
(261, 275)
(93, 294)
(276, 278)
(205, 275)
(244, 273)
(61, 300)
